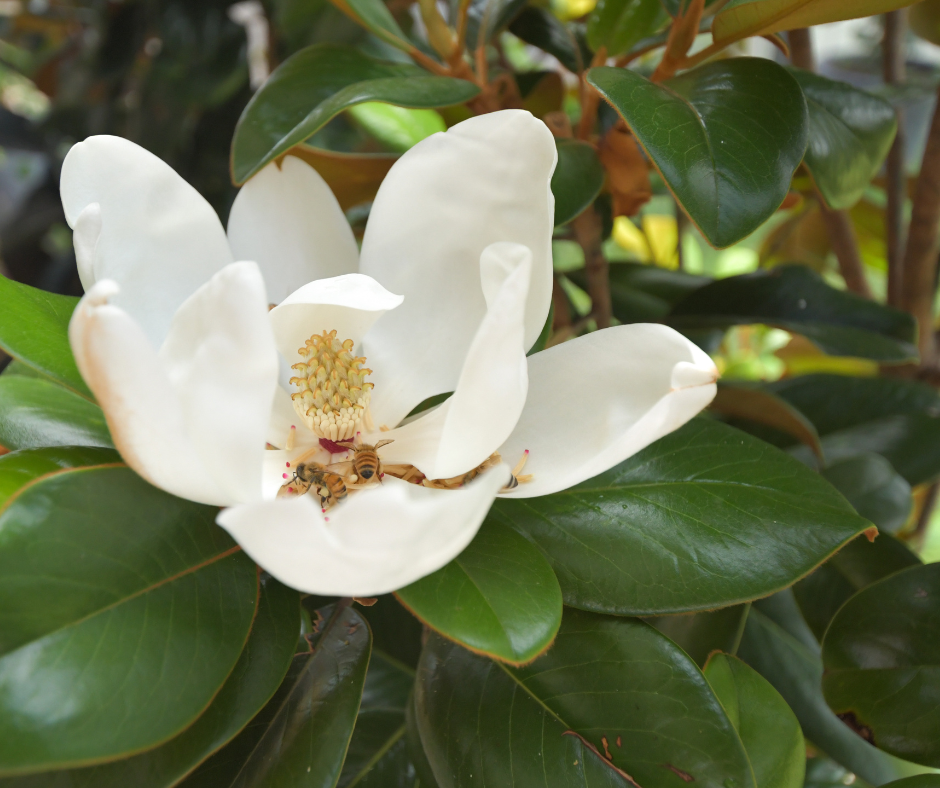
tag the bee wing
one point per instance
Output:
(380, 444)
(293, 488)
(342, 466)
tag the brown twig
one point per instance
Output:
(681, 37)
(845, 245)
(590, 98)
(462, 13)
(893, 62)
(838, 223)
(920, 258)
(588, 232)
(801, 49)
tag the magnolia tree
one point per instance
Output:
(287, 502)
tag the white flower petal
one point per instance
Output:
(491, 391)
(350, 304)
(221, 360)
(485, 180)
(154, 234)
(598, 399)
(283, 417)
(374, 542)
(287, 220)
(85, 232)
(145, 417)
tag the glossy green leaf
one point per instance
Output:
(577, 180)
(742, 18)
(729, 177)
(876, 491)
(34, 329)
(542, 29)
(857, 565)
(850, 132)
(674, 6)
(795, 298)
(138, 592)
(499, 597)
(882, 659)
(316, 84)
(768, 728)
(794, 667)
(618, 683)
(398, 128)
(619, 24)
(703, 518)
(699, 634)
(35, 411)
(423, 770)
(301, 736)
(378, 751)
(256, 676)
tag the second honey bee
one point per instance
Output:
(366, 463)
(329, 486)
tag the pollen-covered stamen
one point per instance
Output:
(333, 394)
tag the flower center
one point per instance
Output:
(332, 394)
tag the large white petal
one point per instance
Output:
(453, 194)
(491, 391)
(598, 399)
(376, 541)
(287, 220)
(151, 232)
(221, 361)
(350, 304)
(143, 412)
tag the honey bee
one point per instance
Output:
(330, 486)
(366, 463)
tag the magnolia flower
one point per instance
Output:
(202, 347)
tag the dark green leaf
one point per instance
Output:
(674, 6)
(850, 132)
(378, 752)
(254, 679)
(423, 769)
(619, 24)
(729, 176)
(395, 631)
(315, 85)
(919, 781)
(34, 411)
(34, 329)
(486, 18)
(301, 736)
(857, 565)
(797, 299)
(542, 29)
(768, 728)
(746, 405)
(876, 491)
(882, 660)
(499, 597)
(910, 443)
(577, 180)
(645, 293)
(703, 518)
(699, 634)
(618, 683)
(795, 670)
(139, 593)
(375, 17)
(835, 402)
